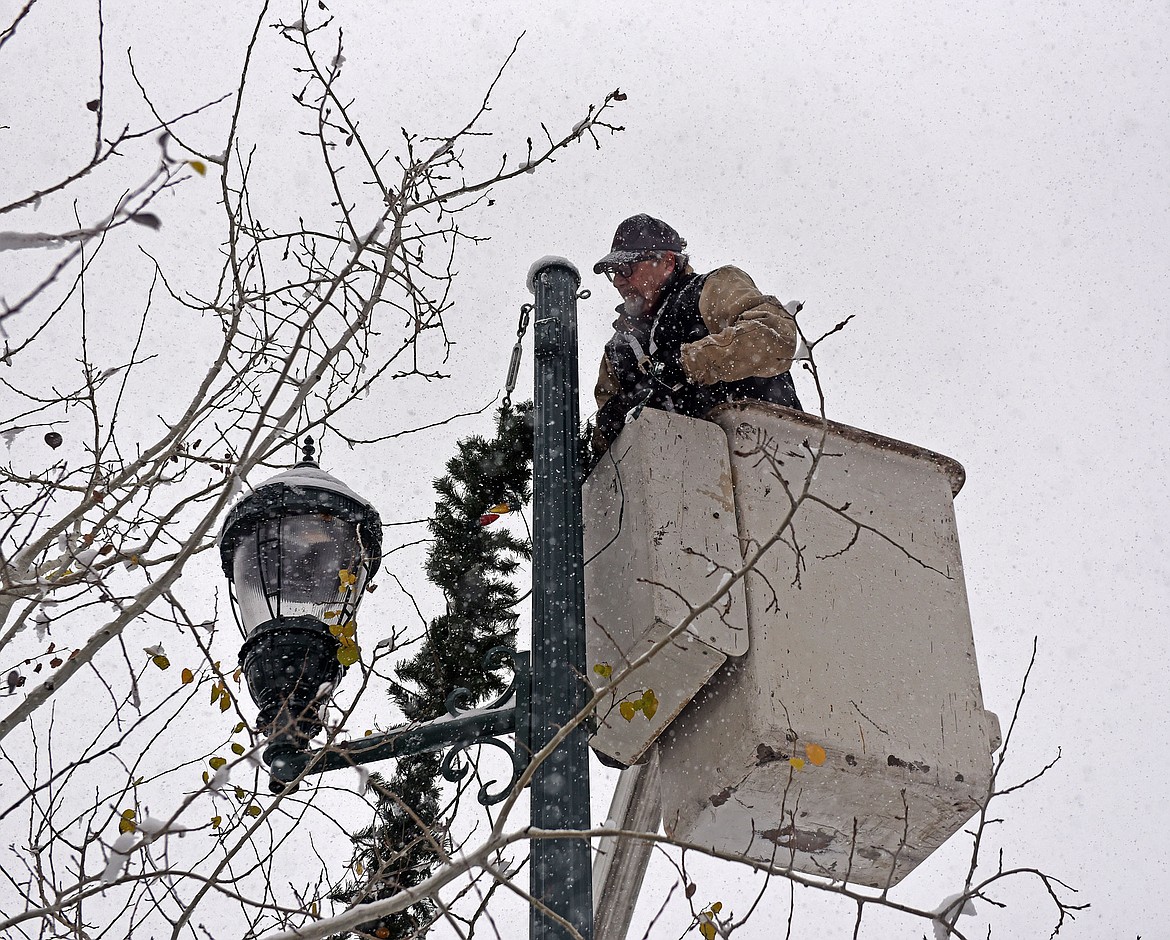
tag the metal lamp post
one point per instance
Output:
(561, 871)
(299, 552)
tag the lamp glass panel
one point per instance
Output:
(300, 565)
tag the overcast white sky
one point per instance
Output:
(984, 187)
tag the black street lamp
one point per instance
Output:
(299, 552)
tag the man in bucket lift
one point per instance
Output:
(685, 342)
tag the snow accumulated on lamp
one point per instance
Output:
(298, 553)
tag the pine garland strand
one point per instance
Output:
(474, 565)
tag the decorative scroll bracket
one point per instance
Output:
(458, 730)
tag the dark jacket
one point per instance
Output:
(714, 338)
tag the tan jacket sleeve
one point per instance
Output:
(606, 386)
(603, 391)
(751, 333)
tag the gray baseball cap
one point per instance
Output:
(640, 237)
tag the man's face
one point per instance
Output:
(641, 282)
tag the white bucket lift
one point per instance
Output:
(826, 714)
(659, 522)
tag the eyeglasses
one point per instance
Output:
(626, 268)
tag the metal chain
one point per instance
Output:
(518, 349)
(517, 353)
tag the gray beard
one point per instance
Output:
(635, 306)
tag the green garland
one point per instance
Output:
(474, 564)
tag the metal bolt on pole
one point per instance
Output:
(561, 872)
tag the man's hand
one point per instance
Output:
(689, 355)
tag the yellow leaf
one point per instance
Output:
(217, 762)
(215, 692)
(347, 578)
(126, 822)
(348, 654)
(237, 748)
(716, 907)
(198, 166)
(649, 704)
(236, 675)
(225, 700)
(238, 728)
(605, 670)
(206, 777)
(253, 810)
(215, 821)
(358, 867)
(332, 614)
(627, 710)
(500, 508)
(188, 676)
(161, 661)
(796, 762)
(707, 929)
(816, 754)
(367, 734)
(314, 909)
(241, 794)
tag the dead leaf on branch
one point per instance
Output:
(647, 705)
(149, 219)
